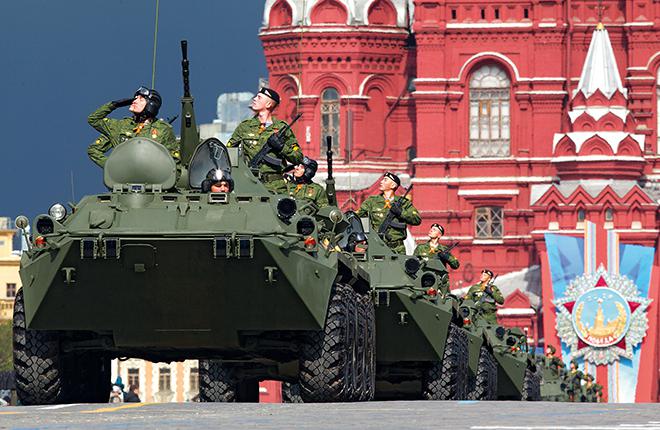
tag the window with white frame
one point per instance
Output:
(488, 222)
(490, 98)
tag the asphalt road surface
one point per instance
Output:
(373, 415)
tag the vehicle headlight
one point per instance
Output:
(57, 212)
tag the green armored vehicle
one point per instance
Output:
(500, 364)
(235, 279)
(420, 351)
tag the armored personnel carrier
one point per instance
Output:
(157, 269)
(501, 366)
(421, 353)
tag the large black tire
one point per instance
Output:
(327, 366)
(368, 352)
(291, 393)
(447, 380)
(484, 386)
(38, 363)
(531, 386)
(216, 382)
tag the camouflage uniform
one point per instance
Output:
(311, 192)
(252, 136)
(477, 294)
(377, 207)
(427, 250)
(116, 131)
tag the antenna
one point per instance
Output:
(599, 10)
(73, 190)
(153, 63)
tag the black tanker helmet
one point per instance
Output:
(154, 101)
(216, 176)
(311, 166)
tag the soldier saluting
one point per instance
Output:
(144, 106)
(433, 248)
(486, 294)
(262, 129)
(377, 208)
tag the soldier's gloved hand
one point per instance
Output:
(276, 143)
(396, 210)
(122, 102)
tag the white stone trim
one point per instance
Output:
(297, 81)
(438, 92)
(488, 241)
(489, 25)
(352, 29)
(598, 112)
(364, 83)
(488, 192)
(550, 92)
(488, 53)
(613, 138)
(467, 159)
(485, 179)
(598, 158)
(515, 311)
(547, 24)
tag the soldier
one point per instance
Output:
(218, 181)
(433, 248)
(377, 208)
(357, 242)
(486, 294)
(144, 106)
(299, 184)
(253, 134)
(550, 359)
(574, 383)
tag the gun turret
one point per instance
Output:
(189, 132)
(330, 181)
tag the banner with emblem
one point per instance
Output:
(601, 306)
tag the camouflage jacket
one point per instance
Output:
(116, 131)
(252, 138)
(312, 192)
(427, 250)
(376, 208)
(477, 294)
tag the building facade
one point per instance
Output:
(10, 282)
(498, 115)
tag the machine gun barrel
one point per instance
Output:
(185, 68)
(189, 133)
(262, 155)
(389, 218)
(330, 181)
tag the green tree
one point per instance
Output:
(6, 348)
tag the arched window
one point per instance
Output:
(330, 119)
(488, 222)
(381, 12)
(329, 12)
(609, 214)
(489, 112)
(280, 14)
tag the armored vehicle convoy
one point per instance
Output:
(421, 353)
(501, 366)
(157, 269)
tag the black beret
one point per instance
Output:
(488, 271)
(270, 93)
(393, 177)
(439, 227)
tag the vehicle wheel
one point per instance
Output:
(447, 380)
(531, 386)
(38, 364)
(484, 386)
(291, 393)
(326, 363)
(367, 335)
(91, 382)
(216, 382)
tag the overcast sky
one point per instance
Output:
(61, 59)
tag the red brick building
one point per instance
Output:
(480, 104)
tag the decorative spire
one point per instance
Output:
(600, 71)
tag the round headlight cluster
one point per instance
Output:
(286, 208)
(428, 280)
(57, 212)
(412, 265)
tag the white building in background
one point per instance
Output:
(159, 382)
(232, 109)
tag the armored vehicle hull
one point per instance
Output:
(169, 274)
